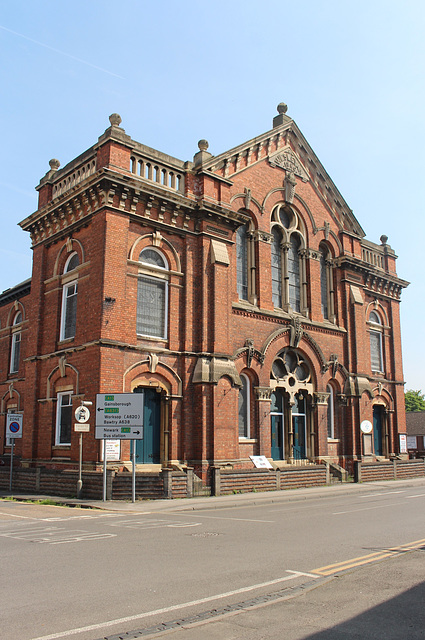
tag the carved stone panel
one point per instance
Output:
(286, 159)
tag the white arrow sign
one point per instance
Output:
(119, 416)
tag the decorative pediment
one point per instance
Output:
(286, 159)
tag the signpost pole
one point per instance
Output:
(80, 469)
(82, 414)
(13, 430)
(133, 479)
(104, 470)
(119, 416)
(11, 464)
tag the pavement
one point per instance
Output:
(222, 502)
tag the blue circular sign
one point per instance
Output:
(14, 427)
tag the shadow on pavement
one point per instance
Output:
(402, 617)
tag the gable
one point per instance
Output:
(284, 147)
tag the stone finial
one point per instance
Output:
(54, 164)
(203, 155)
(282, 118)
(203, 145)
(115, 119)
(384, 239)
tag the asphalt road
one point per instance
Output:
(332, 565)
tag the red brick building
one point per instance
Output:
(237, 292)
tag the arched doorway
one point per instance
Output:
(148, 449)
(290, 410)
(299, 430)
(277, 422)
(378, 424)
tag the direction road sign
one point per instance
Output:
(82, 414)
(14, 425)
(119, 416)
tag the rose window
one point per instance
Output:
(291, 371)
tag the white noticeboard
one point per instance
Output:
(411, 443)
(261, 462)
(119, 416)
(113, 450)
(14, 425)
(403, 442)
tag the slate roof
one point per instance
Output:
(415, 423)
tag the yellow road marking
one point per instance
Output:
(367, 559)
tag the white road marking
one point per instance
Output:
(147, 614)
(384, 493)
(13, 515)
(419, 495)
(376, 506)
(237, 519)
(55, 535)
(153, 524)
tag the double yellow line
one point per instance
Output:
(371, 557)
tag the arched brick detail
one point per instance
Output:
(149, 374)
(152, 240)
(66, 373)
(66, 249)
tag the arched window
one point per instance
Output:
(288, 270)
(294, 273)
(326, 284)
(376, 331)
(152, 294)
(242, 262)
(69, 300)
(16, 344)
(276, 268)
(324, 289)
(72, 263)
(331, 412)
(244, 407)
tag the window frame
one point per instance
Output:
(66, 310)
(327, 283)
(246, 389)
(159, 275)
(288, 229)
(277, 269)
(15, 350)
(67, 268)
(59, 418)
(376, 331)
(68, 281)
(331, 412)
(242, 269)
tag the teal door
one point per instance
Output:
(298, 428)
(147, 450)
(276, 424)
(377, 430)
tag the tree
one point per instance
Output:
(414, 400)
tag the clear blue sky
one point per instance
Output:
(351, 72)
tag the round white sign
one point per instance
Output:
(366, 426)
(82, 414)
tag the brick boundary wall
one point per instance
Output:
(246, 481)
(394, 470)
(149, 486)
(178, 484)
